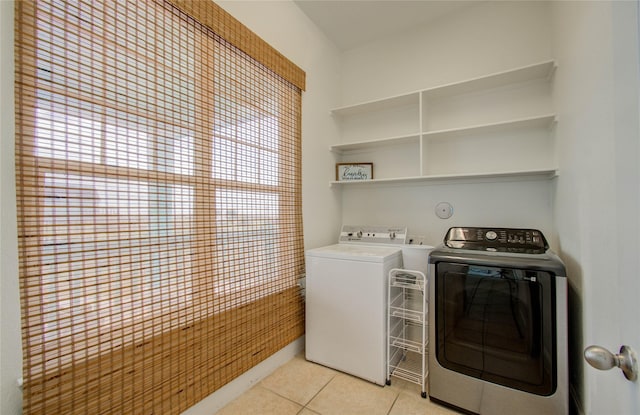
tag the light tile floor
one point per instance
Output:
(300, 387)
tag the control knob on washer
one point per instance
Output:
(491, 235)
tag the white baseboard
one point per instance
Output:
(214, 402)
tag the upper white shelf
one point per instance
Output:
(412, 98)
(540, 70)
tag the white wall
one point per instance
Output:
(486, 38)
(506, 204)
(10, 337)
(597, 197)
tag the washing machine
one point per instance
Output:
(346, 295)
(498, 323)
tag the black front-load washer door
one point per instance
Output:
(497, 324)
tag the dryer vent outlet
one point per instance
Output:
(444, 210)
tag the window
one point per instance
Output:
(159, 205)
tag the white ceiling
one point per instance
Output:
(352, 23)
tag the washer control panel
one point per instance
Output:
(529, 241)
(389, 235)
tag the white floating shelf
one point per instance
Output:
(412, 98)
(540, 174)
(531, 122)
(542, 70)
(362, 145)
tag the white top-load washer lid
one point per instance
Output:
(355, 252)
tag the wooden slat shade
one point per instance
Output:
(158, 161)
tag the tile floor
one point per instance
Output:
(304, 388)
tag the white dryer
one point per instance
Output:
(346, 300)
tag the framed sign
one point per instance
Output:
(354, 171)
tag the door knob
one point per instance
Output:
(603, 359)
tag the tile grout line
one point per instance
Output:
(282, 396)
(317, 393)
(394, 402)
(304, 406)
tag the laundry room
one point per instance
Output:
(520, 117)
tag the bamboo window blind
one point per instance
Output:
(158, 187)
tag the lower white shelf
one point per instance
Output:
(409, 366)
(540, 174)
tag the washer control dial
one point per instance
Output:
(491, 235)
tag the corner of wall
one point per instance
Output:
(10, 343)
